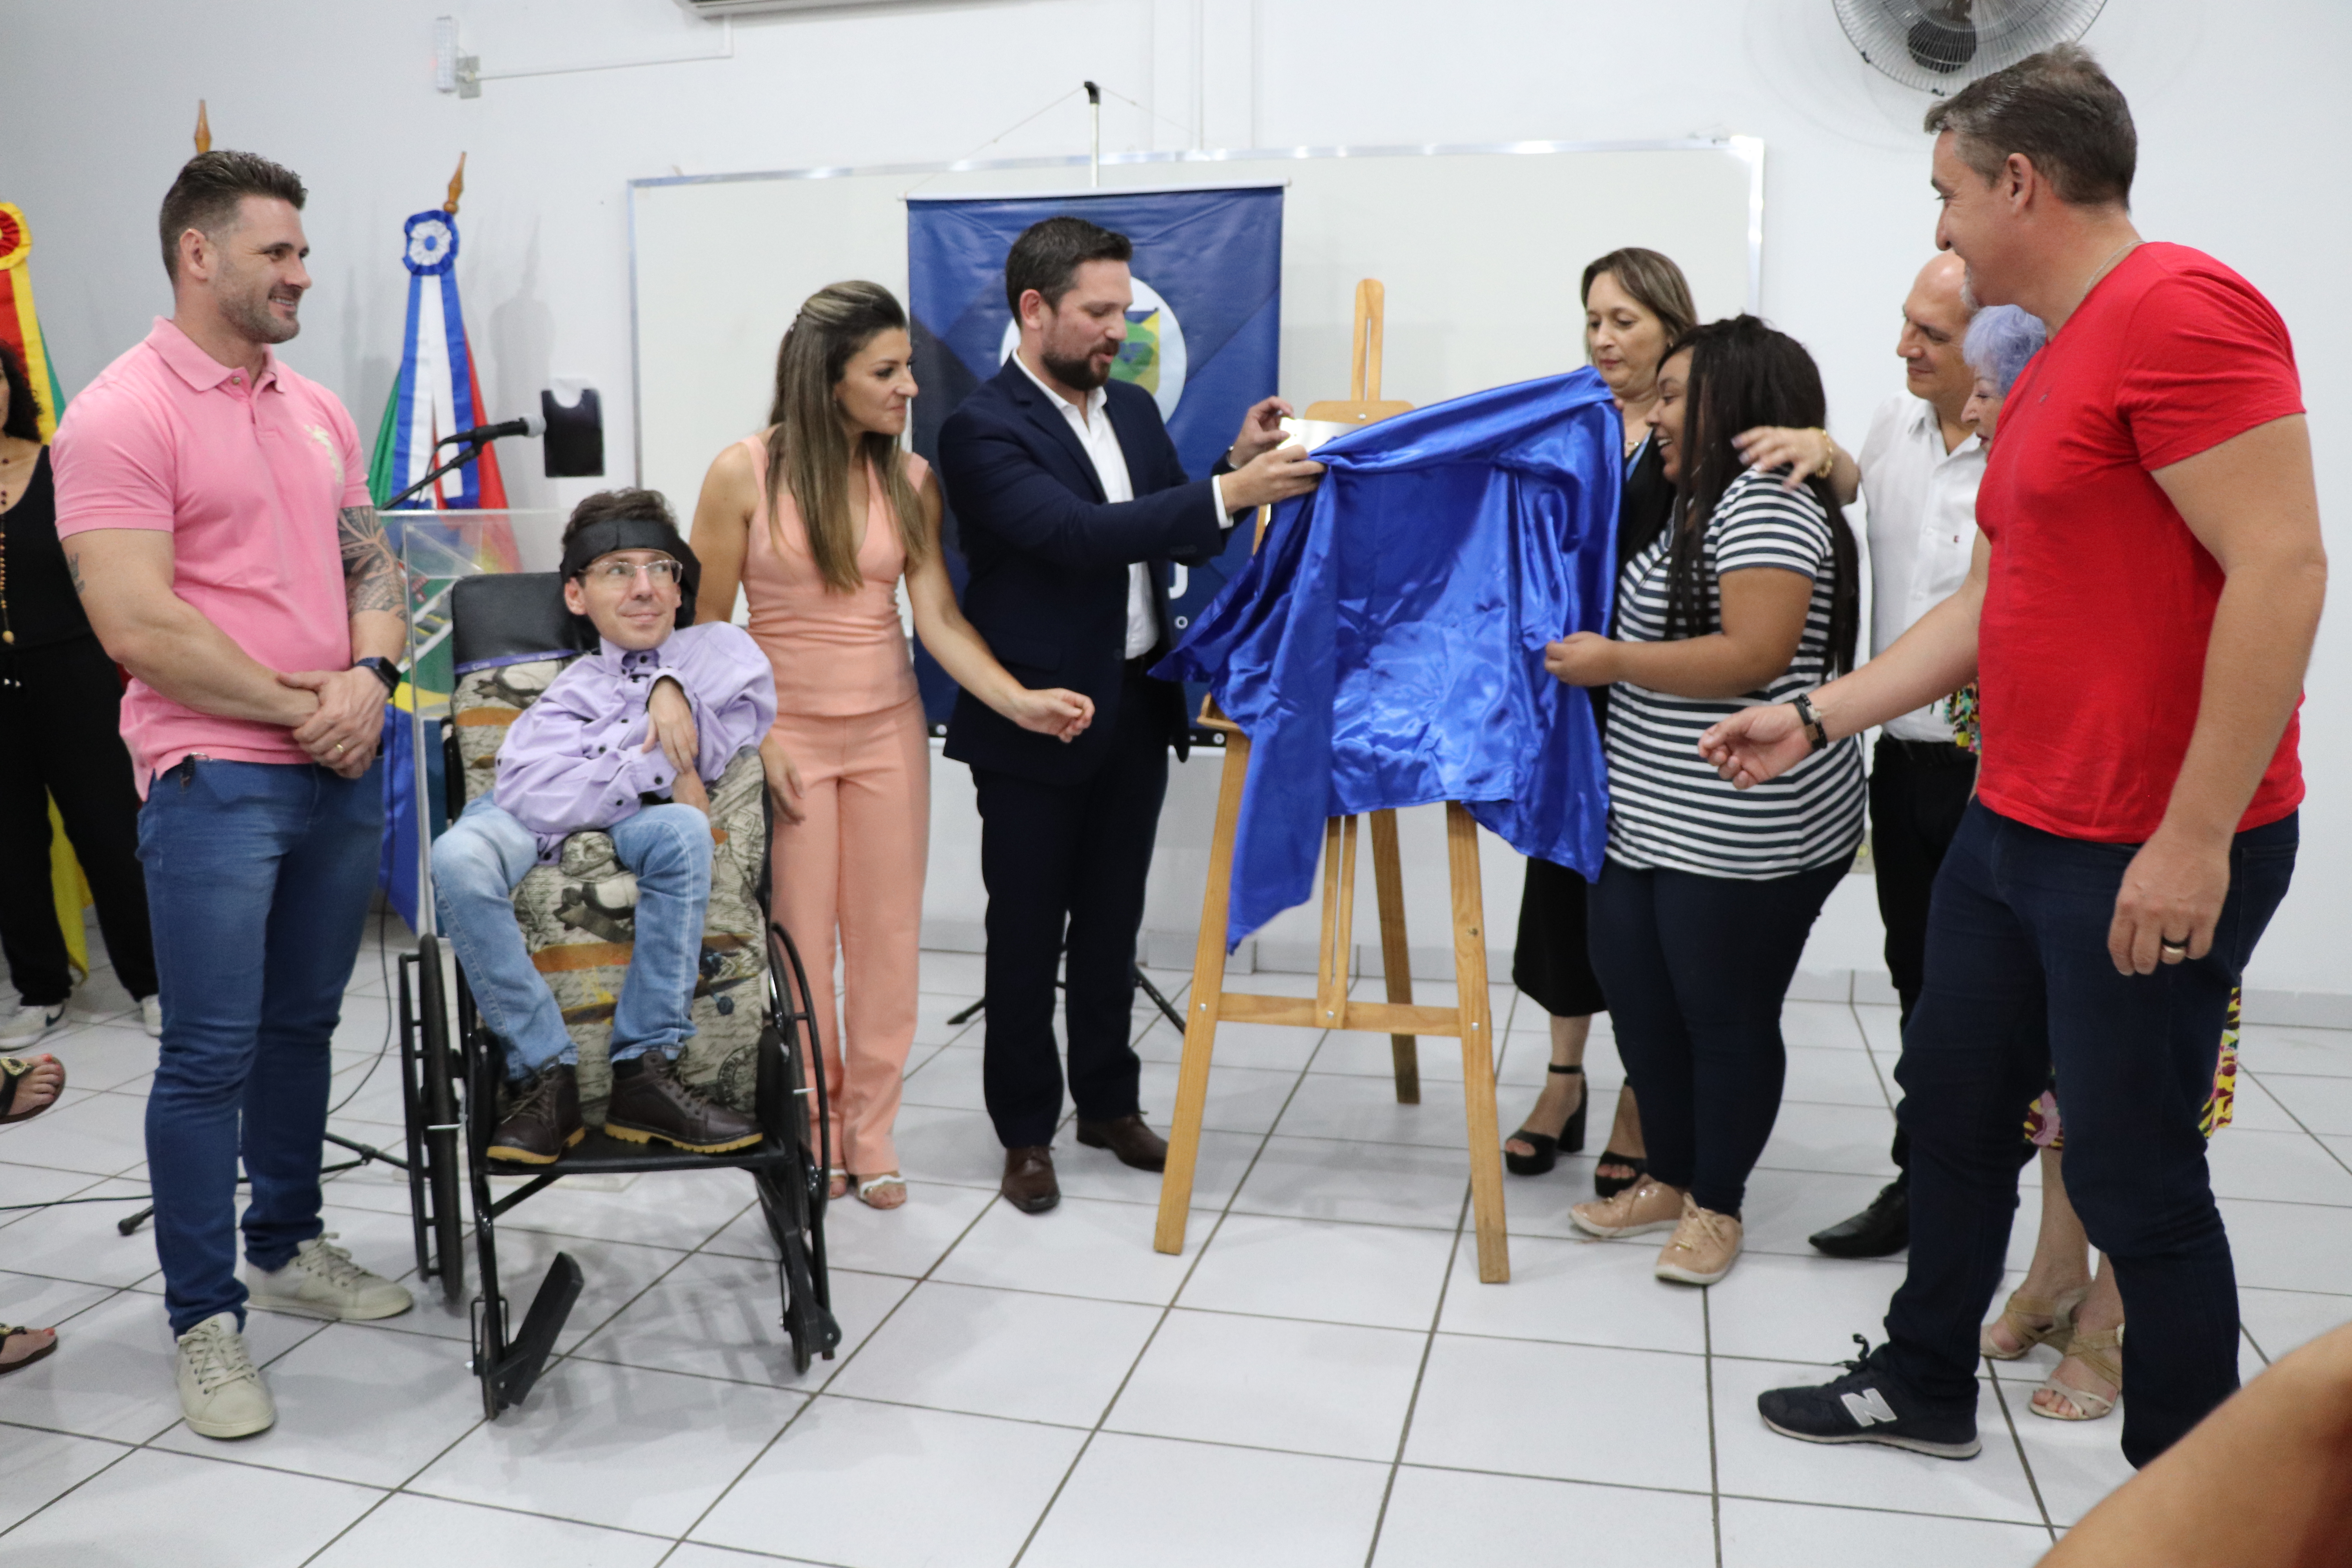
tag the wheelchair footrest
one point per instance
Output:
(518, 1369)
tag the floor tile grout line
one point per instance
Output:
(127, 1449)
(1223, 1214)
(1713, 1449)
(2325, 1147)
(1886, 1089)
(2017, 1439)
(808, 1401)
(1420, 1372)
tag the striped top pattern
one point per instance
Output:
(1667, 808)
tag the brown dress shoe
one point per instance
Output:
(1129, 1139)
(650, 1100)
(544, 1121)
(1029, 1184)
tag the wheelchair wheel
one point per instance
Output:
(793, 1199)
(442, 1158)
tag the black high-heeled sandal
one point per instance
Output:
(1608, 1187)
(1548, 1147)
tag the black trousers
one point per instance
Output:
(1697, 969)
(61, 717)
(2019, 982)
(1919, 790)
(1073, 857)
(1553, 960)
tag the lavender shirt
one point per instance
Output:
(575, 758)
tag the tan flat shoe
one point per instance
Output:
(2020, 1313)
(2097, 1352)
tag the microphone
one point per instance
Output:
(483, 435)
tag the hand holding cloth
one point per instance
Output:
(1384, 647)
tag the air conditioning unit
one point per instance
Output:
(753, 7)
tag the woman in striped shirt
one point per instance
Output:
(1706, 897)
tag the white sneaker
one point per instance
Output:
(323, 1282)
(23, 1024)
(151, 1017)
(221, 1391)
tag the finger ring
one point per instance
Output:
(338, 748)
(2169, 945)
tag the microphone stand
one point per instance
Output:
(473, 450)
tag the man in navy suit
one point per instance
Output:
(1070, 501)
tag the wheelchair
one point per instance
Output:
(755, 1025)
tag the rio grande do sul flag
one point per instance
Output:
(20, 329)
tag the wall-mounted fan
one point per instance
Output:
(1941, 45)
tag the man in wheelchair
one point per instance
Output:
(624, 740)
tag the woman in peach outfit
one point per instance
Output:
(819, 517)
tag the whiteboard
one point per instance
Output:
(1481, 249)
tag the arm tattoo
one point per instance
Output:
(372, 580)
(73, 570)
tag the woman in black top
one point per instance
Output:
(60, 738)
(1636, 302)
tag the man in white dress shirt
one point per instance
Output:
(1918, 471)
(1069, 503)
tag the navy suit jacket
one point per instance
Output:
(1048, 559)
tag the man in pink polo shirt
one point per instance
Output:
(216, 517)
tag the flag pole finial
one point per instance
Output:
(203, 128)
(456, 187)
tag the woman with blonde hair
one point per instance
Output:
(819, 517)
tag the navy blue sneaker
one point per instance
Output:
(1866, 1406)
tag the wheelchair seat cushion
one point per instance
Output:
(579, 914)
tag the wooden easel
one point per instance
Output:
(1471, 1021)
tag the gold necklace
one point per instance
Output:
(2120, 252)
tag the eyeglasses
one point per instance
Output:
(619, 573)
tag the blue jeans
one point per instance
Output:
(259, 875)
(476, 865)
(2018, 980)
(1695, 970)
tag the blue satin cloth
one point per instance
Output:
(1384, 647)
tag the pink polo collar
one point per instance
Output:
(197, 368)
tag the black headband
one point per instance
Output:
(607, 534)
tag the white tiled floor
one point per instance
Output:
(1318, 1379)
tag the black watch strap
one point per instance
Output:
(1814, 729)
(383, 669)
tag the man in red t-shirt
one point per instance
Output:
(2137, 618)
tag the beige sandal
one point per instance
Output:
(2019, 1313)
(872, 1184)
(9, 1332)
(2094, 1349)
(16, 1076)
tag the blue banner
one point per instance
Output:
(1203, 337)
(397, 862)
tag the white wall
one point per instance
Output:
(2231, 103)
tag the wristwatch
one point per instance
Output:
(383, 669)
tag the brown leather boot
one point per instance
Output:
(545, 1120)
(650, 1100)
(1127, 1136)
(1029, 1184)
